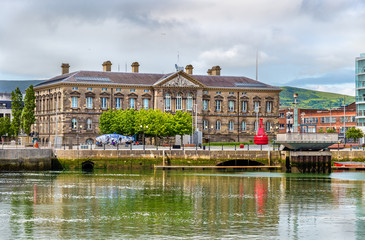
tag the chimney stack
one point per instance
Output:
(65, 68)
(216, 70)
(135, 67)
(209, 71)
(107, 66)
(189, 69)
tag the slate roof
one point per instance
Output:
(149, 79)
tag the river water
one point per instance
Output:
(181, 205)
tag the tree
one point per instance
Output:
(124, 122)
(182, 123)
(106, 120)
(28, 117)
(5, 126)
(16, 110)
(330, 130)
(354, 133)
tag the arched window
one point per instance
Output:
(189, 102)
(167, 102)
(74, 123)
(178, 102)
(89, 123)
(243, 126)
(231, 125)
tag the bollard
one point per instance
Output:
(104, 145)
(248, 147)
(235, 147)
(222, 146)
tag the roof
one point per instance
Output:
(149, 79)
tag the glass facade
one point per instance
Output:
(360, 90)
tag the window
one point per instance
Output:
(255, 127)
(132, 103)
(189, 102)
(243, 126)
(218, 92)
(104, 103)
(268, 126)
(231, 125)
(218, 105)
(132, 90)
(145, 103)
(118, 89)
(256, 106)
(146, 90)
(118, 103)
(269, 107)
(74, 123)
(178, 101)
(89, 102)
(89, 123)
(205, 92)
(205, 104)
(167, 102)
(231, 105)
(75, 88)
(281, 115)
(244, 105)
(205, 125)
(218, 125)
(104, 89)
(231, 93)
(74, 102)
(89, 89)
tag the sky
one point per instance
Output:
(300, 43)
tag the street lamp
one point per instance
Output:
(144, 140)
(295, 115)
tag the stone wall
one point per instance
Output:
(26, 159)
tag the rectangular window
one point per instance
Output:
(75, 88)
(104, 103)
(145, 103)
(218, 125)
(89, 89)
(230, 105)
(74, 102)
(205, 92)
(104, 89)
(244, 106)
(231, 93)
(243, 126)
(189, 103)
(281, 115)
(178, 103)
(205, 104)
(219, 92)
(118, 103)
(231, 125)
(167, 103)
(118, 89)
(132, 103)
(89, 102)
(146, 90)
(256, 106)
(269, 107)
(132, 90)
(205, 125)
(218, 105)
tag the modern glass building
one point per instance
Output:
(360, 91)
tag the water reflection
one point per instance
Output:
(187, 204)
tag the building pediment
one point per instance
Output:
(244, 98)
(89, 94)
(269, 98)
(179, 79)
(75, 94)
(206, 96)
(218, 97)
(146, 95)
(231, 97)
(256, 98)
(132, 95)
(119, 95)
(104, 94)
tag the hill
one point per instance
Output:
(7, 86)
(312, 99)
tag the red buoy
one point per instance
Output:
(261, 138)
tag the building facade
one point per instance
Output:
(319, 120)
(227, 108)
(5, 105)
(360, 91)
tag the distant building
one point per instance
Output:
(5, 105)
(360, 91)
(69, 105)
(319, 120)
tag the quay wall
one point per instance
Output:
(26, 159)
(72, 159)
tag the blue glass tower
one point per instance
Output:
(360, 91)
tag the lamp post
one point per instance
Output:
(257, 118)
(295, 115)
(144, 140)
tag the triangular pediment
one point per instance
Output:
(179, 79)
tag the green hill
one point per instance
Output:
(312, 99)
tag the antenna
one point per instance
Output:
(118, 67)
(257, 64)
(125, 67)
(178, 57)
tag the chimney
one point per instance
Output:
(189, 69)
(135, 67)
(209, 71)
(65, 68)
(107, 66)
(216, 70)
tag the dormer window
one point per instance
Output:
(118, 90)
(133, 90)
(75, 88)
(89, 89)
(104, 89)
(218, 93)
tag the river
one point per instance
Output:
(136, 204)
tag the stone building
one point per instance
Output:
(68, 106)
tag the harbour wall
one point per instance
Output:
(26, 159)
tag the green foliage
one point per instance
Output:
(28, 117)
(16, 110)
(182, 123)
(5, 126)
(354, 133)
(312, 99)
(105, 122)
(330, 130)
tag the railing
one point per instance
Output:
(307, 137)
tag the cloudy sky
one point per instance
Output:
(302, 43)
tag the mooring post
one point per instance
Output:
(104, 145)
(222, 146)
(163, 158)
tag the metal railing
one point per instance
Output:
(307, 137)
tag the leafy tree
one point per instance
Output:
(182, 123)
(28, 117)
(330, 130)
(354, 133)
(106, 120)
(124, 122)
(16, 109)
(5, 126)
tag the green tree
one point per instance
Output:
(28, 117)
(182, 123)
(106, 120)
(5, 126)
(330, 130)
(16, 110)
(354, 133)
(124, 122)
